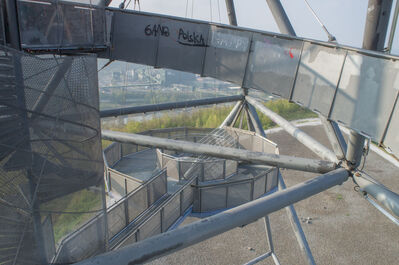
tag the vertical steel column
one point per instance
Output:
(281, 17)
(377, 19)
(378, 12)
(393, 26)
(231, 12)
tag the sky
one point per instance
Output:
(345, 19)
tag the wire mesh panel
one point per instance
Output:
(47, 24)
(213, 198)
(260, 185)
(132, 238)
(49, 145)
(151, 227)
(213, 170)
(238, 194)
(184, 166)
(171, 212)
(157, 188)
(48, 238)
(88, 241)
(231, 167)
(318, 75)
(272, 64)
(137, 203)
(116, 219)
(187, 198)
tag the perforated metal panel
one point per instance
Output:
(151, 227)
(226, 56)
(145, 45)
(318, 75)
(157, 188)
(238, 194)
(272, 64)
(231, 167)
(213, 199)
(116, 219)
(182, 46)
(137, 203)
(366, 94)
(187, 198)
(260, 186)
(171, 212)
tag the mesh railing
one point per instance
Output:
(88, 241)
(216, 196)
(164, 217)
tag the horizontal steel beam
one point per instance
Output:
(290, 162)
(193, 233)
(378, 191)
(295, 132)
(168, 106)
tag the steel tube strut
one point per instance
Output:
(231, 12)
(255, 120)
(193, 233)
(281, 18)
(335, 136)
(168, 106)
(229, 119)
(378, 191)
(296, 226)
(297, 163)
(297, 133)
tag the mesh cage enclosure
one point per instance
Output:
(51, 165)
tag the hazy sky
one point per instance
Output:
(345, 19)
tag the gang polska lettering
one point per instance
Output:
(190, 38)
(153, 30)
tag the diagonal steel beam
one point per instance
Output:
(229, 119)
(282, 161)
(166, 243)
(294, 131)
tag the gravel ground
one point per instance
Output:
(344, 228)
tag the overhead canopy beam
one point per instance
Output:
(166, 243)
(290, 162)
(294, 131)
(168, 106)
